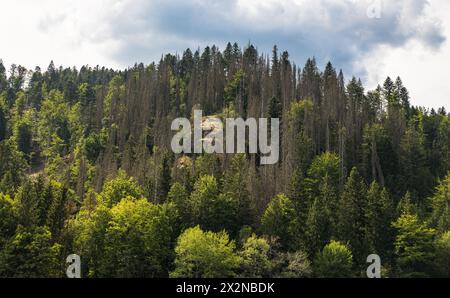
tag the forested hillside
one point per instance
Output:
(86, 168)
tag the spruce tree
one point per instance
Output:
(380, 213)
(320, 218)
(352, 220)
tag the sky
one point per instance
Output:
(371, 39)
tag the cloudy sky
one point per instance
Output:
(368, 38)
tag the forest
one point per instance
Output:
(86, 168)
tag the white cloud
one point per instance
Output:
(36, 32)
(424, 70)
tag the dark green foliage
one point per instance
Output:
(441, 206)
(3, 120)
(235, 189)
(321, 219)
(352, 219)
(211, 210)
(179, 196)
(9, 222)
(442, 260)
(380, 214)
(30, 253)
(94, 145)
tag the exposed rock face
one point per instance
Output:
(211, 125)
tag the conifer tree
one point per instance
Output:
(279, 220)
(320, 218)
(235, 188)
(380, 214)
(352, 220)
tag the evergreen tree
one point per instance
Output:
(279, 220)
(179, 196)
(3, 77)
(31, 254)
(380, 214)
(320, 220)
(442, 260)
(235, 188)
(9, 222)
(211, 210)
(3, 120)
(352, 220)
(440, 204)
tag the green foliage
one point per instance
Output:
(442, 259)
(406, 206)
(413, 246)
(380, 214)
(234, 87)
(138, 240)
(205, 255)
(211, 210)
(179, 196)
(320, 220)
(380, 161)
(30, 253)
(57, 212)
(235, 189)
(119, 188)
(12, 167)
(134, 238)
(317, 200)
(414, 174)
(8, 223)
(279, 220)
(440, 204)
(116, 92)
(54, 127)
(208, 164)
(3, 120)
(26, 205)
(324, 166)
(39, 202)
(23, 133)
(255, 258)
(352, 220)
(334, 261)
(95, 143)
(183, 172)
(88, 230)
(68, 136)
